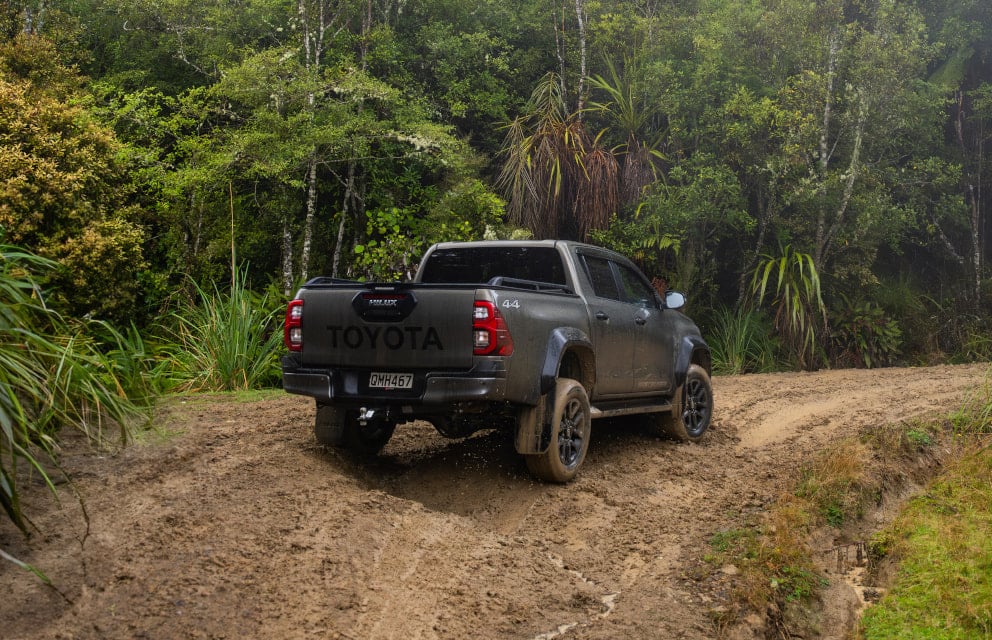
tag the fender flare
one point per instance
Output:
(561, 340)
(686, 351)
(533, 422)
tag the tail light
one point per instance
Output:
(490, 336)
(293, 332)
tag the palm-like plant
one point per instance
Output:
(557, 178)
(631, 116)
(799, 313)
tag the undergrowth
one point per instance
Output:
(940, 545)
(942, 548)
(778, 573)
(56, 374)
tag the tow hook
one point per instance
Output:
(365, 415)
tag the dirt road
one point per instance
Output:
(238, 526)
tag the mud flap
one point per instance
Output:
(329, 425)
(533, 427)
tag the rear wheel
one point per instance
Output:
(368, 438)
(692, 412)
(340, 428)
(571, 425)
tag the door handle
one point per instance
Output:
(601, 315)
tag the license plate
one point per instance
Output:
(391, 380)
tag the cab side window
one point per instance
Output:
(600, 273)
(633, 289)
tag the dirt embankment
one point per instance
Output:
(240, 526)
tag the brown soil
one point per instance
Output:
(237, 525)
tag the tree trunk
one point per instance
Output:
(197, 231)
(234, 255)
(972, 258)
(824, 159)
(287, 256)
(366, 28)
(853, 171)
(345, 208)
(315, 19)
(764, 220)
(560, 49)
(34, 20)
(974, 201)
(580, 17)
(311, 212)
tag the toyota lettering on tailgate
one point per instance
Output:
(392, 338)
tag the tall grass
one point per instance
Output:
(974, 416)
(741, 342)
(224, 341)
(136, 365)
(53, 375)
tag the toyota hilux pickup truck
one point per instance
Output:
(541, 337)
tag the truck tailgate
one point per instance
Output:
(389, 327)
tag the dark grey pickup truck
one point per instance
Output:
(538, 336)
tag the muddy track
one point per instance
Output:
(240, 526)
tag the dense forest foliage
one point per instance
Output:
(817, 168)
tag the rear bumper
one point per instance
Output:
(350, 386)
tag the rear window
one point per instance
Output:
(479, 265)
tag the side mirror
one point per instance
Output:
(674, 300)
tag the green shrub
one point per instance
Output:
(961, 333)
(919, 318)
(863, 335)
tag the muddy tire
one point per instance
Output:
(691, 413)
(340, 428)
(571, 424)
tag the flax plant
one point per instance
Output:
(741, 343)
(224, 341)
(53, 375)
